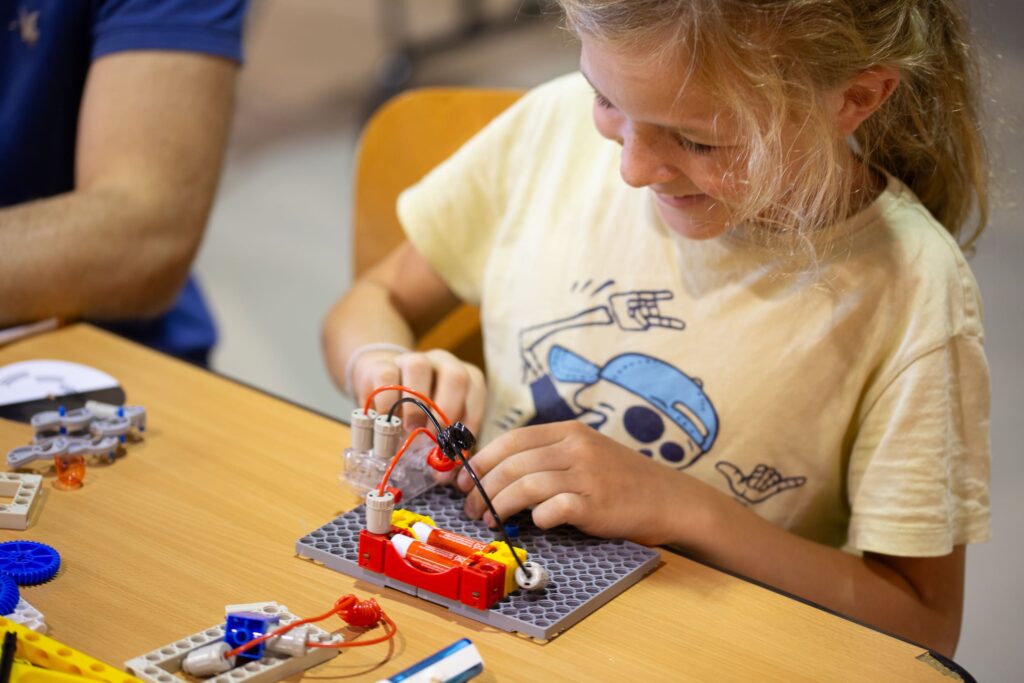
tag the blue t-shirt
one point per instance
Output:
(46, 48)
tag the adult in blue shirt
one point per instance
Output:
(114, 115)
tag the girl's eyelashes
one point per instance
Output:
(684, 142)
(695, 147)
(602, 101)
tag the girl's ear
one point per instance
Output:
(862, 95)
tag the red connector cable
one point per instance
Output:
(354, 612)
(407, 390)
(400, 453)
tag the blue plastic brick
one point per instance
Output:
(28, 562)
(241, 627)
(586, 572)
(9, 595)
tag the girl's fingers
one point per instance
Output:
(380, 373)
(417, 374)
(452, 383)
(515, 468)
(531, 490)
(476, 399)
(563, 508)
(508, 444)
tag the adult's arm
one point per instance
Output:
(151, 136)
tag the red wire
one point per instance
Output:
(390, 634)
(407, 390)
(400, 453)
(363, 613)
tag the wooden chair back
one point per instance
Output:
(407, 137)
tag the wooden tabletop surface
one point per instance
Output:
(205, 512)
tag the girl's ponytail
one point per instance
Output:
(927, 133)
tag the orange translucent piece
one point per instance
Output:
(70, 471)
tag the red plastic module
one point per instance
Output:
(483, 583)
(479, 582)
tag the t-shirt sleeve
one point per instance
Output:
(212, 27)
(453, 215)
(919, 468)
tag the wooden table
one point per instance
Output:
(206, 511)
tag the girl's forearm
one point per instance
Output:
(870, 588)
(364, 315)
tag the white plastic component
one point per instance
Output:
(292, 643)
(387, 434)
(77, 420)
(362, 429)
(378, 512)
(88, 445)
(28, 616)
(45, 421)
(49, 446)
(269, 607)
(23, 490)
(111, 426)
(421, 530)
(102, 410)
(208, 660)
(19, 456)
(161, 665)
(538, 577)
(412, 475)
(136, 415)
(401, 543)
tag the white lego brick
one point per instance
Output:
(28, 616)
(251, 607)
(162, 664)
(23, 489)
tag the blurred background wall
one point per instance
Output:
(276, 254)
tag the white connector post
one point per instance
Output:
(386, 436)
(378, 511)
(208, 660)
(362, 430)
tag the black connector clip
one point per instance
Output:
(454, 439)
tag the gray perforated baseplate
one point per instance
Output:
(586, 572)
(161, 665)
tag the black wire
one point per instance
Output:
(494, 513)
(419, 404)
(7, 659)
(472, 475)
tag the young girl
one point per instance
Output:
(764, 346)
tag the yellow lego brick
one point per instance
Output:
(56, 656)
(404, 519)
(502, 554)
(26, 673)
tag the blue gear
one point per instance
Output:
(27, 562)
(8, 595)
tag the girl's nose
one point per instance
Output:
(643, 162)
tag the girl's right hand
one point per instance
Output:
(457, 387)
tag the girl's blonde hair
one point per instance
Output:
(772, 61)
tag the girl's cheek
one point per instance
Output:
(717, 178)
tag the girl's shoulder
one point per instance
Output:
(920, 263)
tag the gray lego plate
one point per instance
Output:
(586, 572)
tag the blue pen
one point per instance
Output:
(458, 662)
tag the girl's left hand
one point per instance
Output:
(571, 474)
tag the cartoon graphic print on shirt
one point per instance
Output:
(662, 409)
(665, 412)
(761, 484)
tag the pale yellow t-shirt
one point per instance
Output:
(847, 402)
